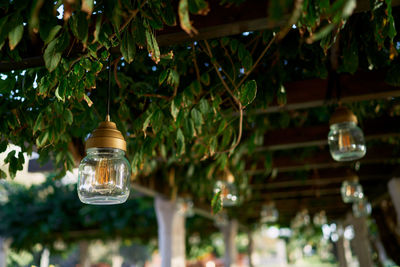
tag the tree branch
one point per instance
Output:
(196, 67)
(257, 61)
(215, 65)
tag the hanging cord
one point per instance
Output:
(334, 85)
(108, 90)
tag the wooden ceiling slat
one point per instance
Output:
(361, 86)
(317, 135)
(323, 160)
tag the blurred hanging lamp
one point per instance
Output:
(228, 189)
(362, 208)
(351, 190)
(345, 139)
(104, 174)
(186, 206)
(319, 218)
(269, 213)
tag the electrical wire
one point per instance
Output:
(109, 88)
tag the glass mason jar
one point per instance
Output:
(346, 141)
(269, 214)
(104, 177)
(362, 208)
(351, 191)
(185, 207)
(229, 195)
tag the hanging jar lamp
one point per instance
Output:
(351, 190)
(228, 189)
(104, 174)
(319, 218)
(186, 206)
(362, 208)
(269, 213)
(345, 139)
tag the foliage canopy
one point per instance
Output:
(180, 107)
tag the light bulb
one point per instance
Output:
(104, 174)
(345, 139)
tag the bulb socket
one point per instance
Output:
(342, 114)
(106, 136)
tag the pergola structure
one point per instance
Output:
(292, 150)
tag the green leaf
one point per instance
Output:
(61, 90)
(242, 52)
(199, 7)
(247, 62)
(38, 124)
(80, 26)
(180, 142)
(128, 46)
(163, 76)
(173, 78)
(152, 46)
(69, 118)
(195, 86)
(16, 31)
(52, 56)
(3, 175)
(183, 12)
(204, 106)
(225, 41)
(248, 92)
(216, 202)
(146, 123)
(3, 30)
(197, 118)
(52, 34)
(234, 45)
(3, 146)
(53, 52)
(174, 109)
(9, 156)
(88, 100)
(168, 14)
(87, 6)
(42, 139)
(205, 78)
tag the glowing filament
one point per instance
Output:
(346, 141)
(104, 174)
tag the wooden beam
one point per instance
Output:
(297, 193)
(222, 20)
(323, 160)
(318, 135)
(311, 93)
(325, 177)
(333, 180)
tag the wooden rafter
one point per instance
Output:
(325, 177)
(317, 135)
(363, 85)
(251, 15)
(323, 160)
